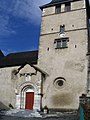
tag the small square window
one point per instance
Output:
(58, 8)
(61, 43)
(67, 6)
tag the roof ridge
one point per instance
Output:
(22, 52)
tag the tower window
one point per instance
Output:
(58, 8)
(61, 43)
(67, 6)
(62, 29)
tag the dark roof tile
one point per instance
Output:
(20, 58)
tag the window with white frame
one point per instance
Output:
(61, 43)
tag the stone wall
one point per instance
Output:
(7, 93)
(69, 64)
(13, 85)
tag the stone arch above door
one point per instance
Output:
(25, 85)
(21, 95)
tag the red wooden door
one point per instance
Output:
(29, 100)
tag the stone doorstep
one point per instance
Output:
(21, 113)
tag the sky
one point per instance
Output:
(20, 22)
(20, 25)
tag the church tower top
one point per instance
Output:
(54, 2)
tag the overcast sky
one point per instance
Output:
(20, 25)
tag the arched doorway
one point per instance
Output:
(28, 97)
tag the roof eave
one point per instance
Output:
(15, 65)
(49, 5)
(55, 3)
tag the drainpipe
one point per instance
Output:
(88, 53)
(40, 94)
(88, 80)
(42, 78)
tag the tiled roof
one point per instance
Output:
(20, 58)
(54, 2)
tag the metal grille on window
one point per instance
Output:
(61, 44)
(64, 43)
(67, 6)
(58, 44)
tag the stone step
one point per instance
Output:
(21, 113)
(37, 115)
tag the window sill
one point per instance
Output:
(62, 48)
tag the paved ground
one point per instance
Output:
(34, 115)
(47, 118)
(21, 113)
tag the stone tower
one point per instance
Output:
(62, 53)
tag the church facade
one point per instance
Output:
(57, 74)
